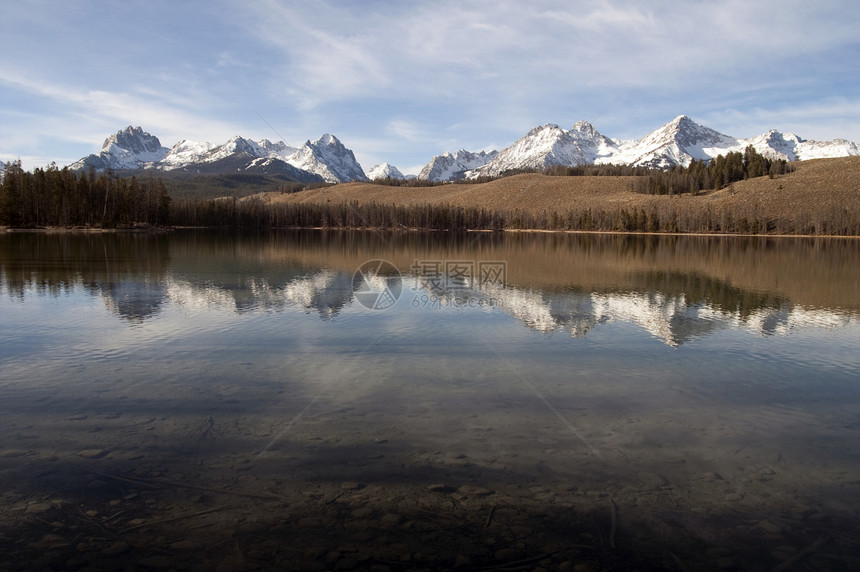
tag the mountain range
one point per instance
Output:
(676, 143)
(325, 159)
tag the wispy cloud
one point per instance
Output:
(109, 110)
(822, 119)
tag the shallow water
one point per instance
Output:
(279, 401)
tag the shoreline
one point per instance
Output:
(165, 229)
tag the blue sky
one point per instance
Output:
(399, 82)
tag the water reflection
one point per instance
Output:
(676, 289)
(473, 416)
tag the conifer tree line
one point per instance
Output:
(721, 171)
(665, 217)
(62, 197)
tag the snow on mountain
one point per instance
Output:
(130, 148)
(550, 145)
(189, 153)
(236, 155)
(681, 140)
(594, 146)
(324, 159)
(543, 146)
(2, 166)
(280, 149)
(185, 153)
(328, 158)
(675, 143)
(807, 150)
(451, 166)
(385, 171)
(790, 147)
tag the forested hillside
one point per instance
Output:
(62, 197)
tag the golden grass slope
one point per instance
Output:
(818, 189)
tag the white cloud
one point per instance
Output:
(110, 110)
(408, 130)
(823, 119)
(495, 53)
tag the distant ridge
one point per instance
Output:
(325, 159)
(676, 143)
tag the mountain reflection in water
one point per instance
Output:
(676, 289)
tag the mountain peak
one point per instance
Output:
(134, 140)
(683, 122)
(330, 159)
(129, 148)
(542, 146)
(328, 139)
(584, 127)
(452, 166)
(541, 128)
(385, 171)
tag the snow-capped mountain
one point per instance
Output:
(130, 148)
(790, 147)
(323, 160)
(189, 153)
(385, 171)
(682, 140)
(676, 143)
(543, 146)
(452, 166)
(328, 158)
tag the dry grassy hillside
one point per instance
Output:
(818, 191)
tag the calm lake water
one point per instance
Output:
(393, 401)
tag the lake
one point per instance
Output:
(421, 401)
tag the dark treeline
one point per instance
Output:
(721, 171)
(664, 217)
(255, 213)
(62, 197)
(608, 170)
